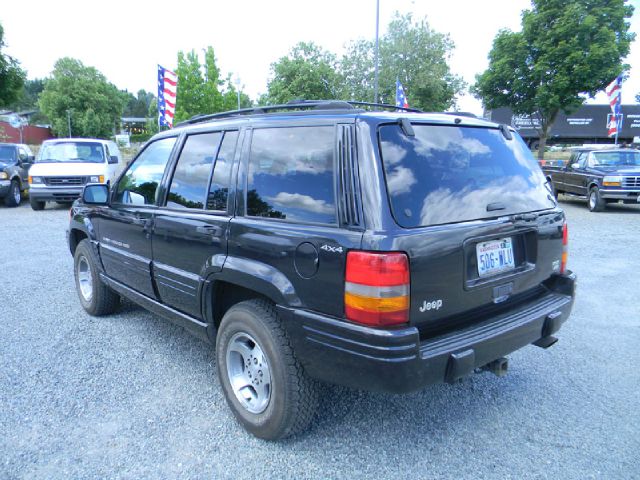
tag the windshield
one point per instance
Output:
(448, 174)
(91, 152)
(614, 159)
(7, 154)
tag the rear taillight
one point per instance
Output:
(376, 291)
(565, 248)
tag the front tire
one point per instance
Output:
(36, 205)
(595, 201)
(263, 382)
(13, 197)
(96, 298)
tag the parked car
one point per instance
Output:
(600, 176)
(15, 160)
(65, 165)
(379, 250)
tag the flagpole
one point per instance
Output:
(375, 81)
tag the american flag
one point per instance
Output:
(614, 92)
(167, 88)
(401, 98)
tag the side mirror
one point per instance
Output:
(96, 194)
(575, 165)
(113, 159)
(31, 158)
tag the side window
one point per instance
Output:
(582, 160)
(219, 189)
(139, 185)
(291, 174)
(190, 179)
(22, 154)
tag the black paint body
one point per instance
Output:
(175, 262)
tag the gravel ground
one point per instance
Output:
(132, 396)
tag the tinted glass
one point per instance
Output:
(291, 174)
(450, 174)
(217, 199)
(91, 152)
(139, 185)
(7, 154)
(191, 176)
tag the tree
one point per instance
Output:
(84, 96)
(307, 72)
(28, 100)
(200, 93)
(567, 49)
(138, 106)
(12, 76)
(411, 52)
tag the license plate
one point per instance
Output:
(495, 256)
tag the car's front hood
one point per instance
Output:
(66, 169)
(620, 170)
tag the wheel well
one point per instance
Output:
(75, 237)
(226, 295)
(591, 185)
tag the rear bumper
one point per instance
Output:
(57, 194)
(398, 361)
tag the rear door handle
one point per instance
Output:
(208, 229)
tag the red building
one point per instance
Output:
(31, 134)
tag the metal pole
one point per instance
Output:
(69, 121)
(375, 82)
(238, 99)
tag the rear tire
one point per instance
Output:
(595, 202)
(96, 298)
(13, 197)
(36, 205)
(263, 383)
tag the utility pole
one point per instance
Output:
(375, 82)
(237, 81)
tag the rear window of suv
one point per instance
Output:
(446, 174)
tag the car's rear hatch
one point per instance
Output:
(477, 221)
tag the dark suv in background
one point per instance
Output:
(15, 160)
(322, 241)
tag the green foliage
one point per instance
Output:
(200, 93)
(138, 106)
(308, 72)
(12, 76)
(94, 105)
(413, 53)
(567, 49)
(28, 100)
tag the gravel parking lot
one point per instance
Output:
(132, 396)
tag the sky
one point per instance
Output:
(125, 40)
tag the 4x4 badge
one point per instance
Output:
(329, 248)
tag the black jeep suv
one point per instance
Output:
(323, 241)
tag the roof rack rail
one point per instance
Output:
(462, 114)
(296, 104)
(384, 105)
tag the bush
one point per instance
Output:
(141, 137)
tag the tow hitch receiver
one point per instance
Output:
(497, 367)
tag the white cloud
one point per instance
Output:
(303, 202)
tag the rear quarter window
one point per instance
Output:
(447, 174)
(291, 174)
